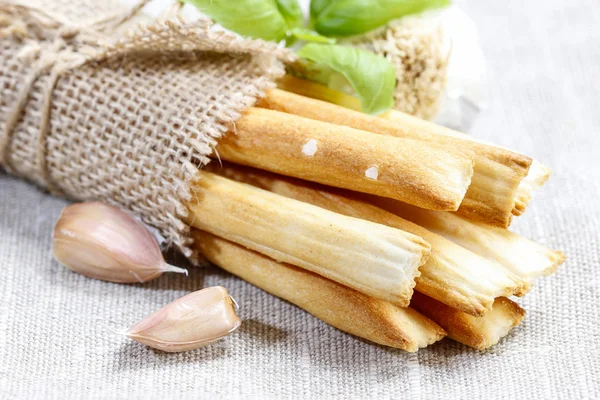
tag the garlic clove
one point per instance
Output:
(104, 242)
(190, 322)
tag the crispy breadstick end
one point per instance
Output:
(491, 198)
(452, 274)
(339, 306)
(497, 174)
(372, 258)
(523, 257)
(340, 156)
(477, 332)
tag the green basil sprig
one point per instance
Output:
(352, 17)
(372, 77)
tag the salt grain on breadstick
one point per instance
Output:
(497, 174)
(452, 274)
(339, 306)
(340, 156)
(372, 258)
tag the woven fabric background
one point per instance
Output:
(544, 59)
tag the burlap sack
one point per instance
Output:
(96, 105)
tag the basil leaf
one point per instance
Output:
(318, 6)
(353, 17)
(372, 77)
(310, 36)
(254, 18)
(291, 12)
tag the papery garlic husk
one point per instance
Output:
(190, 322)
(104, 242)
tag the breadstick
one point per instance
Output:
(452, 274)
(340, 156)
(477, 332)
(523, 257)
(371, 258)
(497, 172)
(339, 306)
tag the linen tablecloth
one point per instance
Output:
(56, 327)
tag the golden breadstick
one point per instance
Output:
(523, 257)
(339, 156)
(339, 306)
(452, 274)
(477, 332)
(497, 172)
(371, 258)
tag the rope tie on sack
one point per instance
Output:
(70, 47)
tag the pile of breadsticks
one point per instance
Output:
(388, 227)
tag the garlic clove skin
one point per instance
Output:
(106, 243)
(190, 322)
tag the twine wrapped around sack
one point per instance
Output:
(91, 112)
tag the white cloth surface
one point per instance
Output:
(544, 67)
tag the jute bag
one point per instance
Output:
(96, 105)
